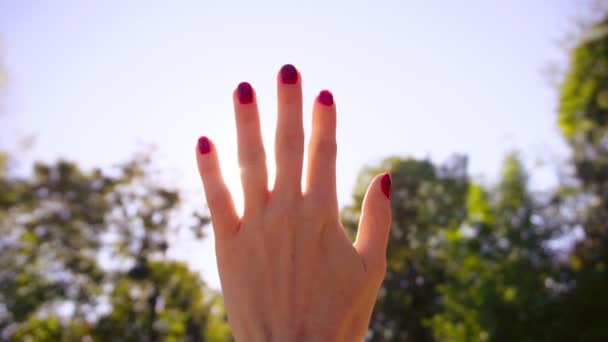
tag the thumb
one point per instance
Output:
(375, 224)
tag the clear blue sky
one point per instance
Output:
(94, 80)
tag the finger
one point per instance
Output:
(321, 175)
(374, 227)
(252, 158)
(289, 140)
(223, 213)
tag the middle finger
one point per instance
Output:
(289, 139)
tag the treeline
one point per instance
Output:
(83, 253)
(83, 256)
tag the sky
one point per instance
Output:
(97, 81)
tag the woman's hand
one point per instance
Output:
(288, 271)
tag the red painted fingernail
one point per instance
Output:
(386, 185)
(203, 145)
(245, 93)
(289, 74)
(326, 98)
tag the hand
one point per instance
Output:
(288, 270)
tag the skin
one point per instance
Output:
(288, 270)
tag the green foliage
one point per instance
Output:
(51, 329)
(464, 263)
(497, 266)
(168, 305)
(426, 199)
(56, 227)
(583, 107)
(583, 110)
(584, 122)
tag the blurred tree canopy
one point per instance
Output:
(497, 263)
(583, 119)
(82, 255)
(425, 199)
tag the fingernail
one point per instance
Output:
(245, 93)
(326, 98)
(386, 185)
(203, 145)
(289, 74)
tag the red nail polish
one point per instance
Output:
(245, 93)
(326, 98)
(386, 185)
(289, 74)
(204, 146)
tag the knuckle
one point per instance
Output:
(314, 213)
(318, 202)
(251, 157)
(291, 141)
(326, 147)
(215, 199)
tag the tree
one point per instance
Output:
(498, 262)
(57, 225)
(426, 199)
(169, 304)
(583, 119)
